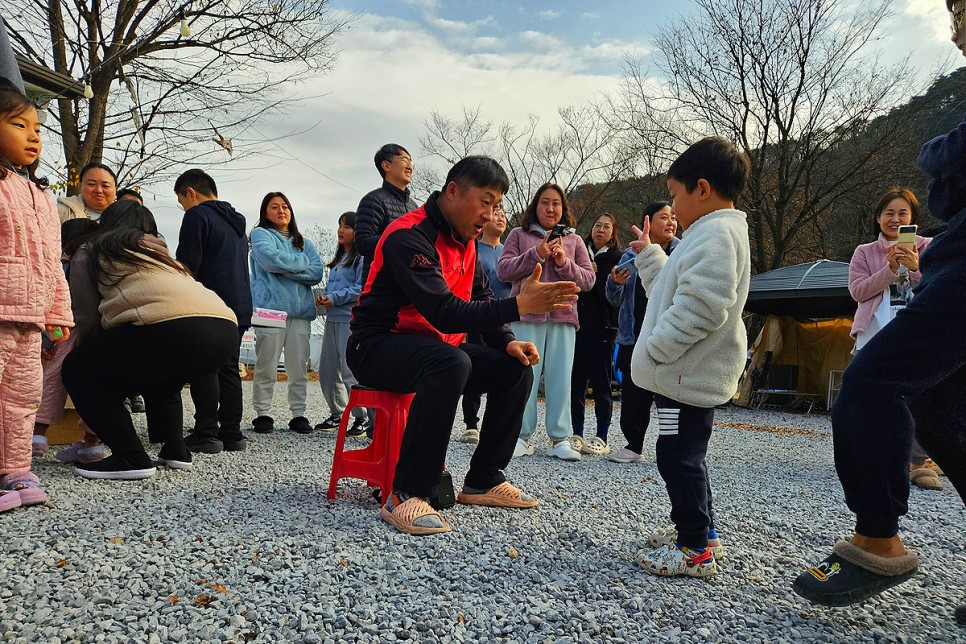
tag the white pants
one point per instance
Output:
(335, 377)
(269, 342)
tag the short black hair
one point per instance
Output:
(198, 179)
(478, 171)
(94, 165)
(128, 192)
(717, 161)
(653, 208)
(388, 152)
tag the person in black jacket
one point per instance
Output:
(424, 293)
(594, 346)
(214, 246)
(384, 205)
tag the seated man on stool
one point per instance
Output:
(425, 290)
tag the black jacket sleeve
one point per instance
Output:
(370, 223)
(415, 266)
(191, 241)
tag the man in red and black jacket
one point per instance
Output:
(424, 291)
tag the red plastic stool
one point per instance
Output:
(375, 463)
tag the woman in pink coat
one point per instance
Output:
(554, 334)
(882, 275)
(33, 293)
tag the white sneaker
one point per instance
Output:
(564, 451)
(470, 436)
(523, 448)
(595, 447)
(625, 455)
(669, 561)
(669, 536)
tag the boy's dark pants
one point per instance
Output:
(439, 374)
(682, 444)
(471, 402)
(217, 397)
(635, 402)
(909, 379)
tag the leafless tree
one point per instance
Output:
(173, 80)
(581, 148)
(794, 83)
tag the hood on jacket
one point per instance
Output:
(75, 204)
(224, 210)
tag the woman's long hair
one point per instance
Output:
(265, 222)
(530, 214)
(117, 243)
(614, 241)
(13, 103)
(349, 219)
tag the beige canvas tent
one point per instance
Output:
(805, 342)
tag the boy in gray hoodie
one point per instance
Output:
(692, 345)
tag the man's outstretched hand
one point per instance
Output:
(538, 297)
(525, 352)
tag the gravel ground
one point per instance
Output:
(245, 547)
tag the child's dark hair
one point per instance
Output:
(13, 103)
(388, 152)
(197, 179)
(615, 240)
(895, 192)
(74, 233)
(349, 219)
(264, 222)
(117, 242)
(530, 214)
(717, 161)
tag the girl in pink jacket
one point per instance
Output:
(33, 293)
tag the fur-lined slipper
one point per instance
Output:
(925, 478)
(851, 575)
(404, 516)
(27, 485)
(504, 495)
(934, 467)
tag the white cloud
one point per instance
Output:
(541, 40)
(549, 14)
(590, 16)
(426, 5)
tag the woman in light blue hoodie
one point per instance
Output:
(284, 268)
(341, 294)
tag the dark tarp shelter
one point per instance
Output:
(819, 289)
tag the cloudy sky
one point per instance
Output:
(401, 59)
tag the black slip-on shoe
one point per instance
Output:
(203, 444)
(263, 425)
(300, 425)
(114, 467)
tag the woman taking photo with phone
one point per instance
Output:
(882, 275)
(563, 257)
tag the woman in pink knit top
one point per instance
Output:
(882, 275)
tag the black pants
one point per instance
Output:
(635, 402)
(592, 358)
(156, 360)
(909, 380)
(682, 445)
(471, 402)
(439, 374)
(217, 397)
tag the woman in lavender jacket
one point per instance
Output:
(554, 333)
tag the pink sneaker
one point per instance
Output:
(70, 454)
(27, 485)
(39, 445)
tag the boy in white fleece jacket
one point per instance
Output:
(692, 345)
